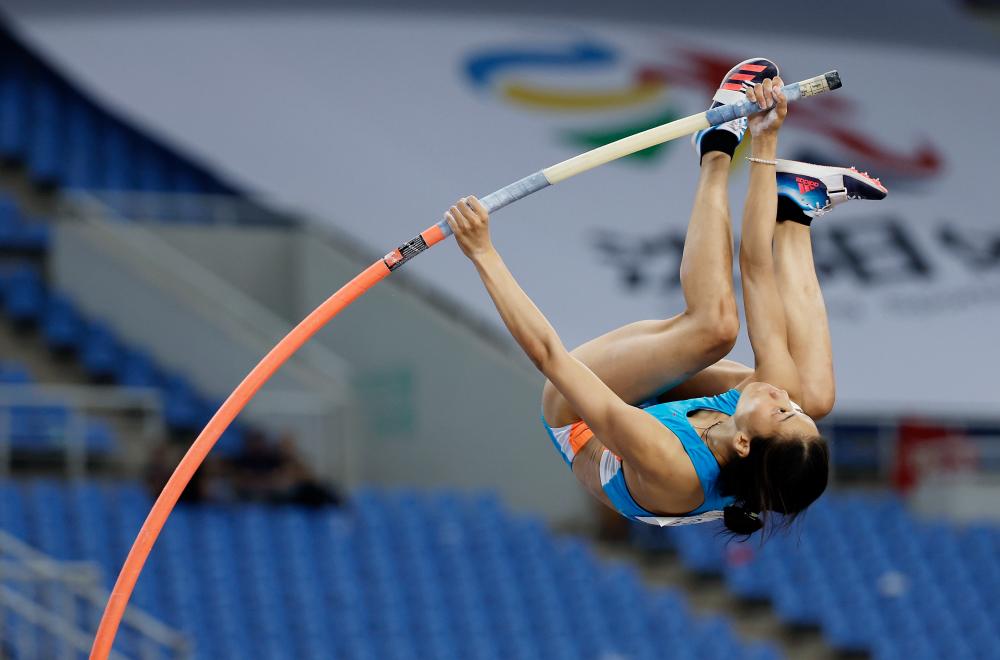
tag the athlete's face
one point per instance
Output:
(765, 410)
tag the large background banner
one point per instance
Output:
(376, 123)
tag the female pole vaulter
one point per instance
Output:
(742, 447)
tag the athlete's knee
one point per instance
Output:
(718, 326)
(819, 402)
(727, 328)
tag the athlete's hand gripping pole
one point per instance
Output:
(354, 289)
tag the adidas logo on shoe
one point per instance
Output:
(807, 191)
(806, 185)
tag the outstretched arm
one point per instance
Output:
(625, 430)
(765, 314)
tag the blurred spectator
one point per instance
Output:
(301, 485)
(274, 472)
(208, 484)
(256, 469)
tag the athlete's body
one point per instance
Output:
(603, 381)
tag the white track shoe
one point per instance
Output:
(807, 191)
(733, 90)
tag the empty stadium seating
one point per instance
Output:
(19, 234)
(397, 575)
(66, 140)
(23, 294)
(104, 357)
(870, 574)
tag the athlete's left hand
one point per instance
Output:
(470, 221)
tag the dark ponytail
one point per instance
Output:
(740, 520)
(778, 475)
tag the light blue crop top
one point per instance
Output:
(674, 415)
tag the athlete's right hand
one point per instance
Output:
(773, 104)
(470, 221)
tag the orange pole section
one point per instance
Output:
(433, 235)
(194, 457)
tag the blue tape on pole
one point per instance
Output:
(793, 92)
(507, 195)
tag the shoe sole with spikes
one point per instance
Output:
(808, 191)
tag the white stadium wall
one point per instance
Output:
(375, 123)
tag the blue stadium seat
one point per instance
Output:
(14, 373)
(14, 110)
(700, 551)
(24, 295)
(49, 517)
(152, 168)
(99, 438)
(10, 220)
(89, 526)
(32, 237)
(46, 138)
(183, 410)
(62, 326)
(13, 517)
(137, 369)
(117, 144)
(100, 352)
(18, 235)
(231, 441)
(38, 427)
(83, 168)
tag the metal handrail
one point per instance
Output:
(78, 399)
(82, 579)
(94, 397)
(46, 620)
